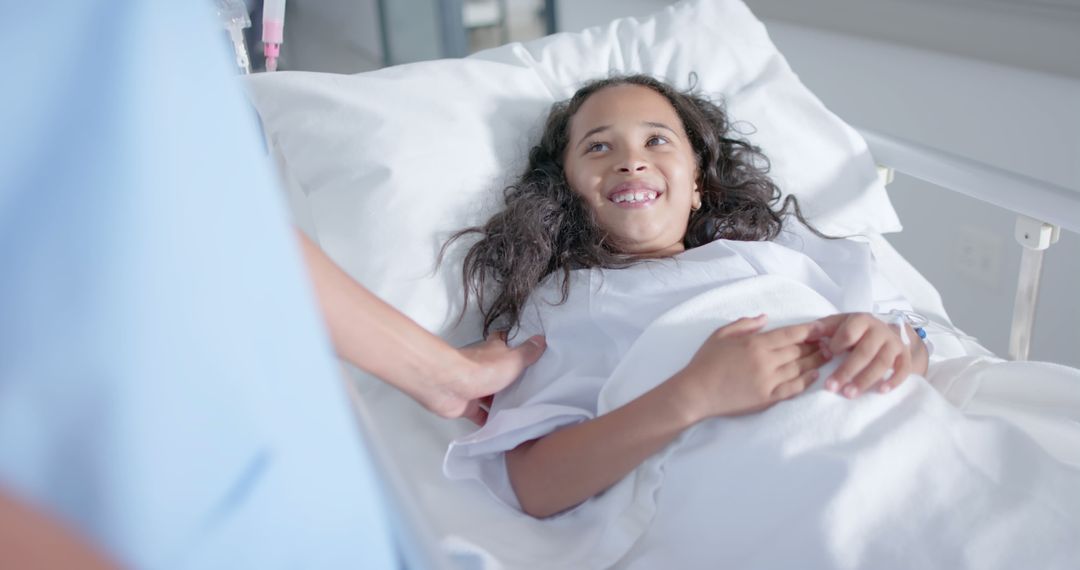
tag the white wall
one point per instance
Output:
(994, 80)
(1020, 119)
(1039, 35)
(1023, 121)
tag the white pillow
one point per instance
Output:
(393, 161)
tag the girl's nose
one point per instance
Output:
(632, 163)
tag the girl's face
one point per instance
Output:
(630, 159)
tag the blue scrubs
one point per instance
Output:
(166, 385)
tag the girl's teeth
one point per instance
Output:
(636, 196)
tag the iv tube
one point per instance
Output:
(273, 28)
(234, 17)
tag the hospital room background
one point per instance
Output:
(996, 81)
(169, 395)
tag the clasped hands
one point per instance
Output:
(739, 369)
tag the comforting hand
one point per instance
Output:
(494, 365)
(739, 369)
(878, 355)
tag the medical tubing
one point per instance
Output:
(898, 320)
(273, 31)
(234, 17)
(922, 326)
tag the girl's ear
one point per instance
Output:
(699, 181)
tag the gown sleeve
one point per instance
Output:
(560, 390)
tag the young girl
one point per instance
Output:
(638, 200)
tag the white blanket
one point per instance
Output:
(901, 480)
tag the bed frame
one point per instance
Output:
(1042, 209)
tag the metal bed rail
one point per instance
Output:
(1042, 209)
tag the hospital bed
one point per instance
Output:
(381, 167)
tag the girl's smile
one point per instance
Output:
(631, 161)
(634, 194)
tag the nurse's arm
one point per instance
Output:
(31, 539)
(381, 340)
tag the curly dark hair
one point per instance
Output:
(546, 227)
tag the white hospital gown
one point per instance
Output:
(897, 480)
(607, 310)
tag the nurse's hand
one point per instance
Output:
(492, 366)
(878, 354)
(33, 538)
(383, 341)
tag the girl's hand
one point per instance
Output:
(739, 370)
(877, 353)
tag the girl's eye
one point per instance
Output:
(596, 146)
(656, 140)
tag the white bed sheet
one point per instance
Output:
(479, 532)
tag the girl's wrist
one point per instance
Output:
(910, 327)
(920, 354)
(687, 403)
